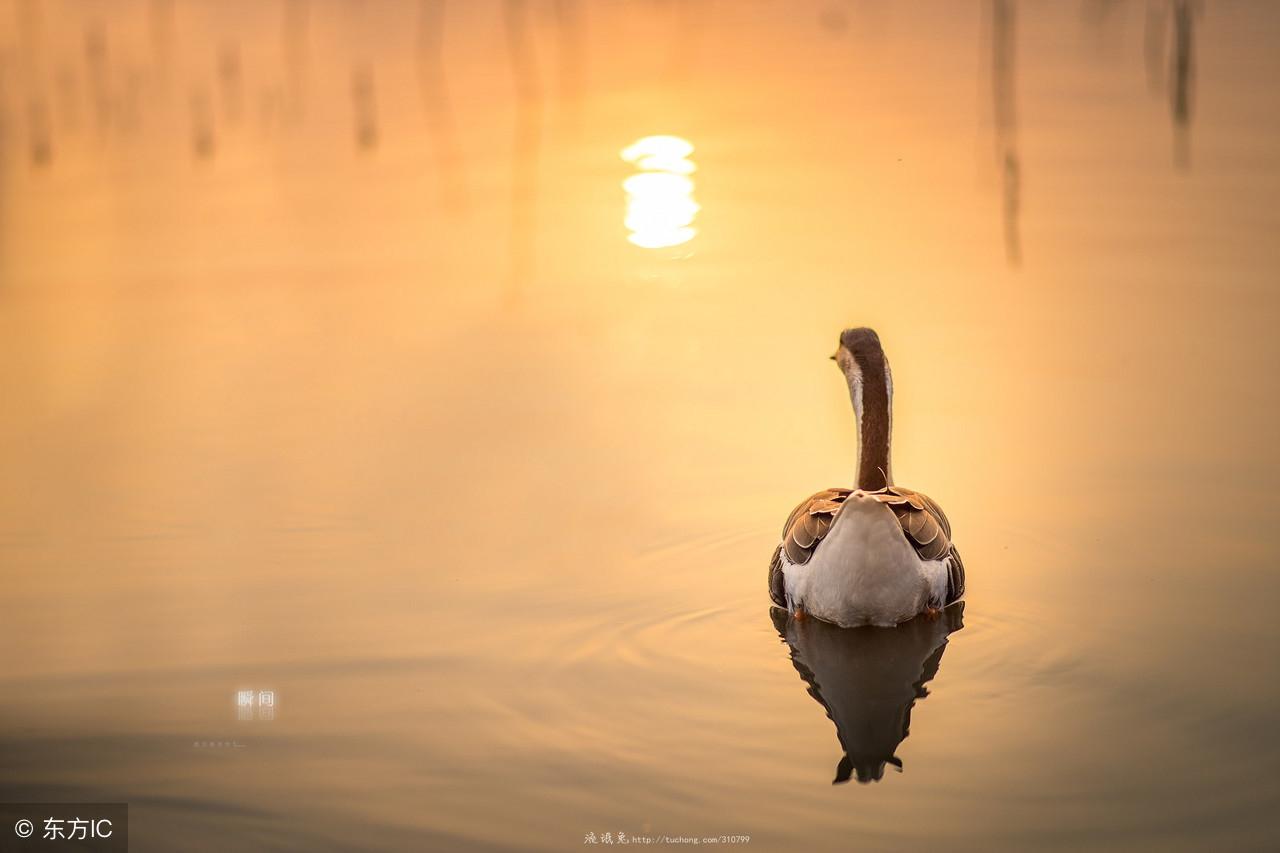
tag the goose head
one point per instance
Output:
(866, 370)
(858, 348)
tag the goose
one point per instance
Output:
(877, 554)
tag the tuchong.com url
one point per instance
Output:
(624, 838)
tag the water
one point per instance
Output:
(329, 371)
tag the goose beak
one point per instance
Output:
(832, 356)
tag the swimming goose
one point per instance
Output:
(877, 554)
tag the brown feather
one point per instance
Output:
(913, 523)
(955, 576)
(937, 512)
(935, 550)
(809, 522)
(801, 536)
(777, 585)
(927, 530)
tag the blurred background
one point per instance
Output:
(446, 370)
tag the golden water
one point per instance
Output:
(329, 369)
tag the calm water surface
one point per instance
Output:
(329, 370)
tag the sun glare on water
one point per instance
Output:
(660, 205)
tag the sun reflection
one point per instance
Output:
(660, 205)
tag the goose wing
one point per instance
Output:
(928, 530)
(805, 527)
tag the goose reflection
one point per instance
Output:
(868, 679)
